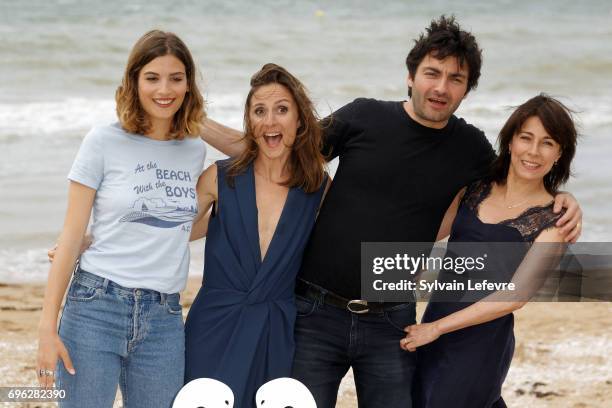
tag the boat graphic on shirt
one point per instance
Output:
(157, 212)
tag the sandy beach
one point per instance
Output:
(562, 356)
(63, 60)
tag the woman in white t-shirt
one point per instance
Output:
(122, 322)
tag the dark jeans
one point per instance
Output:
(329, 340)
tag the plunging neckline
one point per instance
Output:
(487, 192)
(280, 218)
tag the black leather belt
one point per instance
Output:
(358, 306)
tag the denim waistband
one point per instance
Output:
(108, 286)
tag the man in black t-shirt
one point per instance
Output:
(401, 165)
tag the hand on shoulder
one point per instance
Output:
(552, 234)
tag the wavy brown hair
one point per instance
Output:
(187, 120)
(306, 163)
(559, 124)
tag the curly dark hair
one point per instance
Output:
(445, 38)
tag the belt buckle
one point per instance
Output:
(361, 303)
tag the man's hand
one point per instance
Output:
(570, 224)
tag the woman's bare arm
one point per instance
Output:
(449, 216)
(495, 305)
(80, 202)
(207, 194)
(225, 139)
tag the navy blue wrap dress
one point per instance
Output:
(239, 329)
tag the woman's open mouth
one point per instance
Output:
(273, 139)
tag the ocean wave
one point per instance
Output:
(77, 115)
(492, 110)
(72, 116)
(54, 117)
(17, 266)
(31, 265)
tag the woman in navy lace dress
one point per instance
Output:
(465, 347)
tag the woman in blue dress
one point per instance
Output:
(465, 347)
(264, 203)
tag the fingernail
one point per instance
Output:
(71, 371)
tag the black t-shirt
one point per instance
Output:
(394, 182)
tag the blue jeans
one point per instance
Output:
(133, 338)
(329, 340)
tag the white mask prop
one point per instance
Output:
(283, 393)
(204, 393)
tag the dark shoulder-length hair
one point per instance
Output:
(188, 119)
(306, 163)
(559, 124)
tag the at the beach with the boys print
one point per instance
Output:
(144, 206)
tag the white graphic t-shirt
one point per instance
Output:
(144, 206)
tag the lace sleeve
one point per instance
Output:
(475, 193)
(533, 221)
